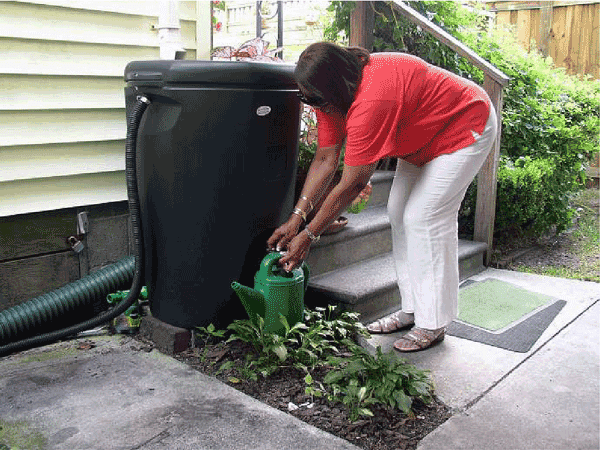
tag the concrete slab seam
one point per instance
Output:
(506, 375)
(162, 434)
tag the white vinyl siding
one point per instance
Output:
(62, 106)
(49, 193)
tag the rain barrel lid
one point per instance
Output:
(237, 73)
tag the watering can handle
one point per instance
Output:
(269, 261)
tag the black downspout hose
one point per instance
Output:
(104, 280)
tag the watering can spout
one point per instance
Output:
(253, 301)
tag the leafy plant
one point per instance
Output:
(307, 145)
(269, 348)
(365, 379)
(208, 334)
(304, 345)
(325, 340)
(582, 244)
(551, 129)
(220, 6)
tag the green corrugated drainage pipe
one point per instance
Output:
(23, 319)
(64, 305)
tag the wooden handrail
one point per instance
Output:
(446, 38)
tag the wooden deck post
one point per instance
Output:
(362, 21)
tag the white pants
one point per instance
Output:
(423, 209)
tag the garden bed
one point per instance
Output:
(387, 429)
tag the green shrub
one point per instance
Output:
(550, 120)
(550, 132)
(534, 186)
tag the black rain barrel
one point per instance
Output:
(216, 159)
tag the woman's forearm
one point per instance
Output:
(354, 179)
(353, 182)
(317, 181)
(336, 202)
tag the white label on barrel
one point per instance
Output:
(263, 110)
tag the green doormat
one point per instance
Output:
(494, 304)
(501, 314)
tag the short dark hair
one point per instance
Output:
(327, 72)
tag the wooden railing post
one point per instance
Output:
(485, 209)
(361, 25)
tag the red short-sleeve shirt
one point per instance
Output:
(406, 108)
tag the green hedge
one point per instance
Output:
(550, 133)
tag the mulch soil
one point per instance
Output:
(387, 429)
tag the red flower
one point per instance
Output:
(218, 26)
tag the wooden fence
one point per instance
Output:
(568, 31)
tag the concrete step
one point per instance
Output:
(382, 183)
(367, 235)
(369, 286)
(354, 267)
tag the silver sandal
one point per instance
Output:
(391, 323)
(419, 339)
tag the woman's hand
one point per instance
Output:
(297, 252)
(282, 236)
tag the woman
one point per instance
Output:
(439, 125)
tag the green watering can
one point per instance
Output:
(275, 292)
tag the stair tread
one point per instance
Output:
(382, 175)
(372, 218)
(373, 210)
(365, 279)
(358, 280)
(369, 220)
(355, 265)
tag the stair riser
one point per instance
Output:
(386, 300)
(379, 305)
(326, 258)
(381, 191)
